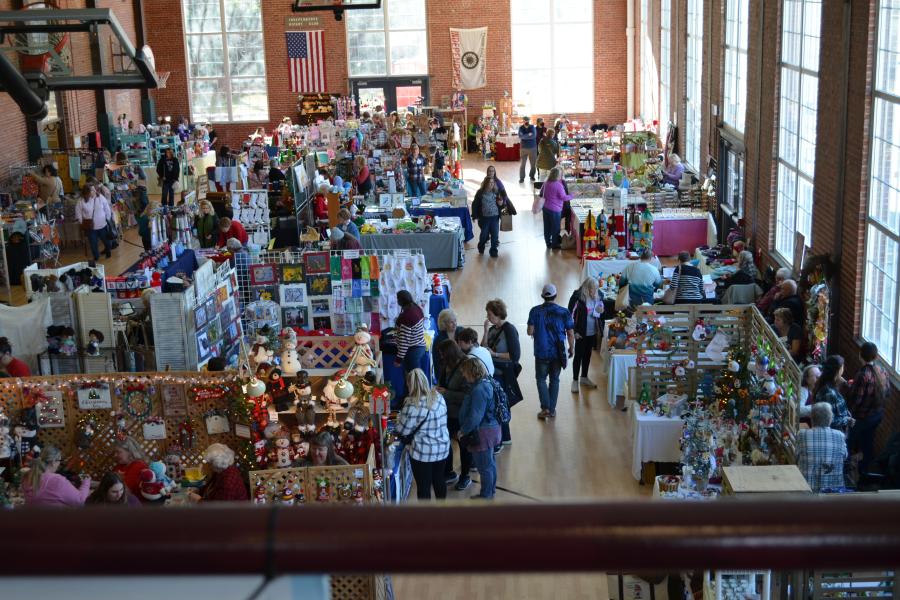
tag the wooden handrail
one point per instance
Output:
(843, 533)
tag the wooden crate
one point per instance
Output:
(776, 479)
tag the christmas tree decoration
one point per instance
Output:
(645, 403)
(697, 444)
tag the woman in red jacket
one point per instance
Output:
(225, 484)
(130, 461)
(231, 229)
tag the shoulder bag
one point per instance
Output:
(87, 223)
(407, 439)
(672, 293)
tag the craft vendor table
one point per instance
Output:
(609, 266)
(617, 366)
(436, 304)
(397, 378)
(441, 248)
(186, 263)
(654, 439)
(674, 233)
(715, 271)
(465, 218)
(506, 148)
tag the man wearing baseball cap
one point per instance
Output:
(552, 327)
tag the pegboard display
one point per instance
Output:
(113, 404)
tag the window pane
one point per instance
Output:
(205, 56)
(409, 53)
(571, 11)
(365, 20)
(366, 53)
(889, 48)
(880, 299)
(248, 99)
(209, 99)
(531, 47)
(529, 11)
(202, 16)
(243, 15)
(578, 95)
(884, 195)
(406, 14)
(574, 44)
(244, 57)
(534, 89)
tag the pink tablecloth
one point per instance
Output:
(671, 236)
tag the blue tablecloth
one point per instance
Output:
(186, 263)
(397, 377)
(463, 213)
(438, 303)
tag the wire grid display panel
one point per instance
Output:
(745, 327)
(248, 292)
(97, 459)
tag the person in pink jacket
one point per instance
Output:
(554, 197)
(43, 486)
(94, 208)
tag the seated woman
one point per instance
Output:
(225, 483)
(130, 461)
(746, 270)
(43, 486)
(111, 490)
(790, 334)
(687, 281)
(321, 453)
(343, 241)
(258, 178)
(674, 170)
(821, 450)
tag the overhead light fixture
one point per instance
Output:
(254, 388)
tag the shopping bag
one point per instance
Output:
(506, 222)
(622, 300)
(538, 205)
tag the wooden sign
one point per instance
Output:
(94, 398)
(302, 21)
(173, 400)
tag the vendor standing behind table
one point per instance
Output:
(415, 172)
(527, 148)
(168, 171)
(674, 170)
(50, 186)
(361, 175)
(410, 332)
(11, 365)
(642, 279)
(228, 229)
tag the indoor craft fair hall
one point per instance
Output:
(397, 299)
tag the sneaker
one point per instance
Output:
(575, 388)
(498, 449)
(532, 178)
(521, 181)
(506, 443)
(451, 477)
(494, 254)
(464, 482)
(543, 414)
(551, 415)
(587, 382)
(480, 249)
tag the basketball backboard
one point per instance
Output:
(338, 6)
(42, 50)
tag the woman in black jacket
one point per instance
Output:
(487, 206)
(454, 387)
(586, 307)
(502, 340)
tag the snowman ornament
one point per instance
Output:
(290, 364)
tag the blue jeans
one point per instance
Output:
(413, 359)
(861, 437)
(551, 227)
(415, 187)
(490, 226)
(487, 469)
(168, 191)
(543, 369)
(93, 238)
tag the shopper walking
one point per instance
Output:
(168, 171)
(206, 223)
(552, 327)
(454, 387)
(866, 399)
(527, 148)
(486, 209)
(415, 172)
(586, 307)
(828, 390)
(555, 196)
(92, 212)
(479, 429)
(423, 423)
(410, 326)
(548, 154)
(502, 341)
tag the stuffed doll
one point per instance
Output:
(67, 342)
(151, 489)
(25, 446)
(174, 470)
(357, 417)
(300, 445)
(261, 453)
(261, 351)
(54, 333)
(278, 390)
(365, 359)
(159, 471)
(329, 399)
(93, 347)
(259, 494)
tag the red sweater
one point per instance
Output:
(17, 368)
(227, 486)
(131, 475)
(320, 207)
(235, 231)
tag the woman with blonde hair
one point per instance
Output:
(479, 429)
(43, 486)
(586, 307)
(422, 426)
(361, 175)
(130, 461)
(448, 328)
(674, 170)
(206, 223)
(555, 197)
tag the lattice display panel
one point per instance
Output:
(97, 458)
(343, 484)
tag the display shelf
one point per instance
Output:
(137, 148)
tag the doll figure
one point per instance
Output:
(329, 399)
(278, 390)
(357, 417)
(290, 364)
(6, 440)
(93, 347)
(260, 352)
(323, 490)
(67, 342)
(25, 446)
(300, 445)
(159, 471)
(287, 496)
(260, 453)
(282, 454)
(151, 489)
(365, 359)
(174, 470)
(259, 494)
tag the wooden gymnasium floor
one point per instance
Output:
(585, 453)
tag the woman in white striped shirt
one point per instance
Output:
(410, 334)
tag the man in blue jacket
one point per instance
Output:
(527, 148)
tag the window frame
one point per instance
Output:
(223, 33)
(799, 176)
(665, 66)
(553, 108)
(892, 362)
(647, 65)
(388, 74)
(693, 131)
(734, 81)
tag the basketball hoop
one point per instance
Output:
(162, 77)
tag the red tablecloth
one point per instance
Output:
(506, 153)
(671, 236)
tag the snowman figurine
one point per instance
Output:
(290, 364)
(282, 455)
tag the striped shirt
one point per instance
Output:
(688, 283)
(820, 456)
(432, 441)
(410, 329)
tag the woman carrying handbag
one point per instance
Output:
(479, 429)
(92, 212)
(502, 340)
(422, 426)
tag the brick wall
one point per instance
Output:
(123, 101)
(15, 146)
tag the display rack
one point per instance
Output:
(251, 209)
(137, 148)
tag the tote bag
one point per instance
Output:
(506, 222)
(671, 293)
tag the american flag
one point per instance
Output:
(306, 61)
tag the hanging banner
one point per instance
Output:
(468, 48)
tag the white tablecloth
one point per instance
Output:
(617, 376)
(654, 439)
(607, 267)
